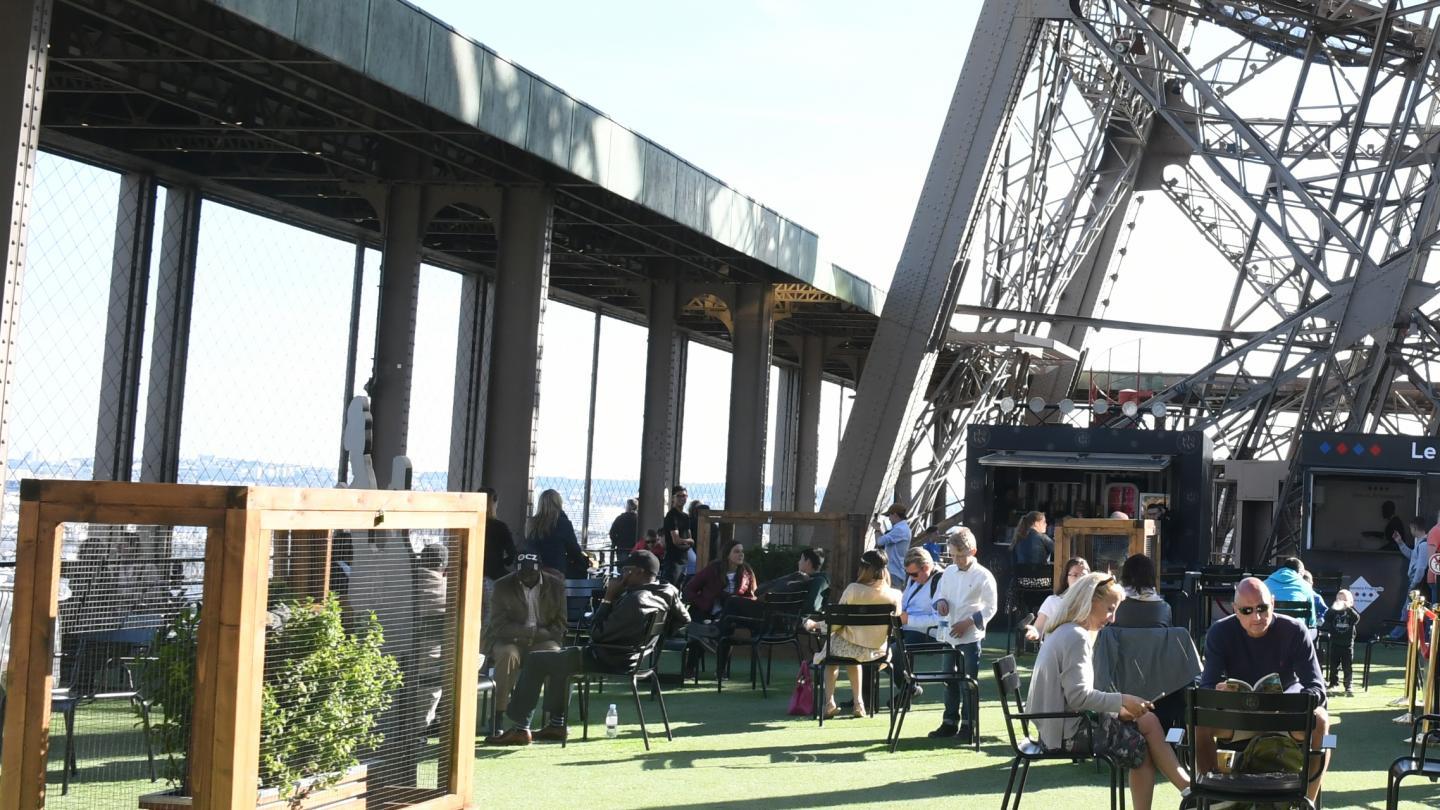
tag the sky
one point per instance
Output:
(829, 113)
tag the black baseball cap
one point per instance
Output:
(643, 560)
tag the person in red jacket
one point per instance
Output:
(724, 591)
(721, 582)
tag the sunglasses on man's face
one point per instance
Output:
(1261, 609)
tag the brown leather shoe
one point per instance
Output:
(551, 733)
(514, 736)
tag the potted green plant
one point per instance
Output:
(323, 691)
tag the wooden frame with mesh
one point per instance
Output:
(239, 520)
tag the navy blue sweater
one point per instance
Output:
(1285, 649)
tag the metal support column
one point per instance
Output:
(807, 433)
(405, 220)
(24, 33)
(125, 329)
(170, 338)
(664, 399)
(352, 352)
(590, 434)
(786, 439)
(752, 329)
(472, 384)
(926, 284)
(521, 287)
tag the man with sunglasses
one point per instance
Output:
(1250, 645)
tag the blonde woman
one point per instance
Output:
(1063, 681)
(550, 534)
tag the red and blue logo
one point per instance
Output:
(1343, 448)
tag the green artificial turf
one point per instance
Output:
(739, 748)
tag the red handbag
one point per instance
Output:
(802, 700)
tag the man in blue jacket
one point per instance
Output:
(1288, 584)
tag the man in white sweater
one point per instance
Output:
(966, 603)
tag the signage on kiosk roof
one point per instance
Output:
(1352, 451)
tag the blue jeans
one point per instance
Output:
(969, 657)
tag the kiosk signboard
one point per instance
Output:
(1361, 491)
(1383, 454)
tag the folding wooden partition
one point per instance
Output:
(225, 741)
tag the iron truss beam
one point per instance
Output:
(1325, 217)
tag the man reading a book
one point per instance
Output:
(1252, 646)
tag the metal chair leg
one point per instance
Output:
(640, 713)
(1020, 789)
(68, 764)
(1010, 785)
(818, 673)
(145, 729)
(660, 696)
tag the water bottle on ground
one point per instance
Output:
(612, 723)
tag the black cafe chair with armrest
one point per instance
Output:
(1030, 750)
(1383, 639)
(1291, 713)
(779, 626)
(1423, 759)
(934, 662)
(644, 662)
(854, 616)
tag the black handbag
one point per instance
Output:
(1107, 735)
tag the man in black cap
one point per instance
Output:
(527, 614)
(622, 621)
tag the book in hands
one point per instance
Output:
(1266, 683)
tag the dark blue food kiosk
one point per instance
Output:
(1349, 479)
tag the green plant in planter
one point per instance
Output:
(323, 690)
(167, 680)
(772, 561)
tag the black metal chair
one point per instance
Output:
(904, 657)
(486, 689)
(854, 616)
(1384, 640)
(1299, 610)
(581, 596)
(1423, 760)
(1027, 750)
(779, 625)
(1261, 713)
(63, 704)
(645, 659)
(101, 669)
(1029, 586)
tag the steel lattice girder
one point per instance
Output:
(1326, 216)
